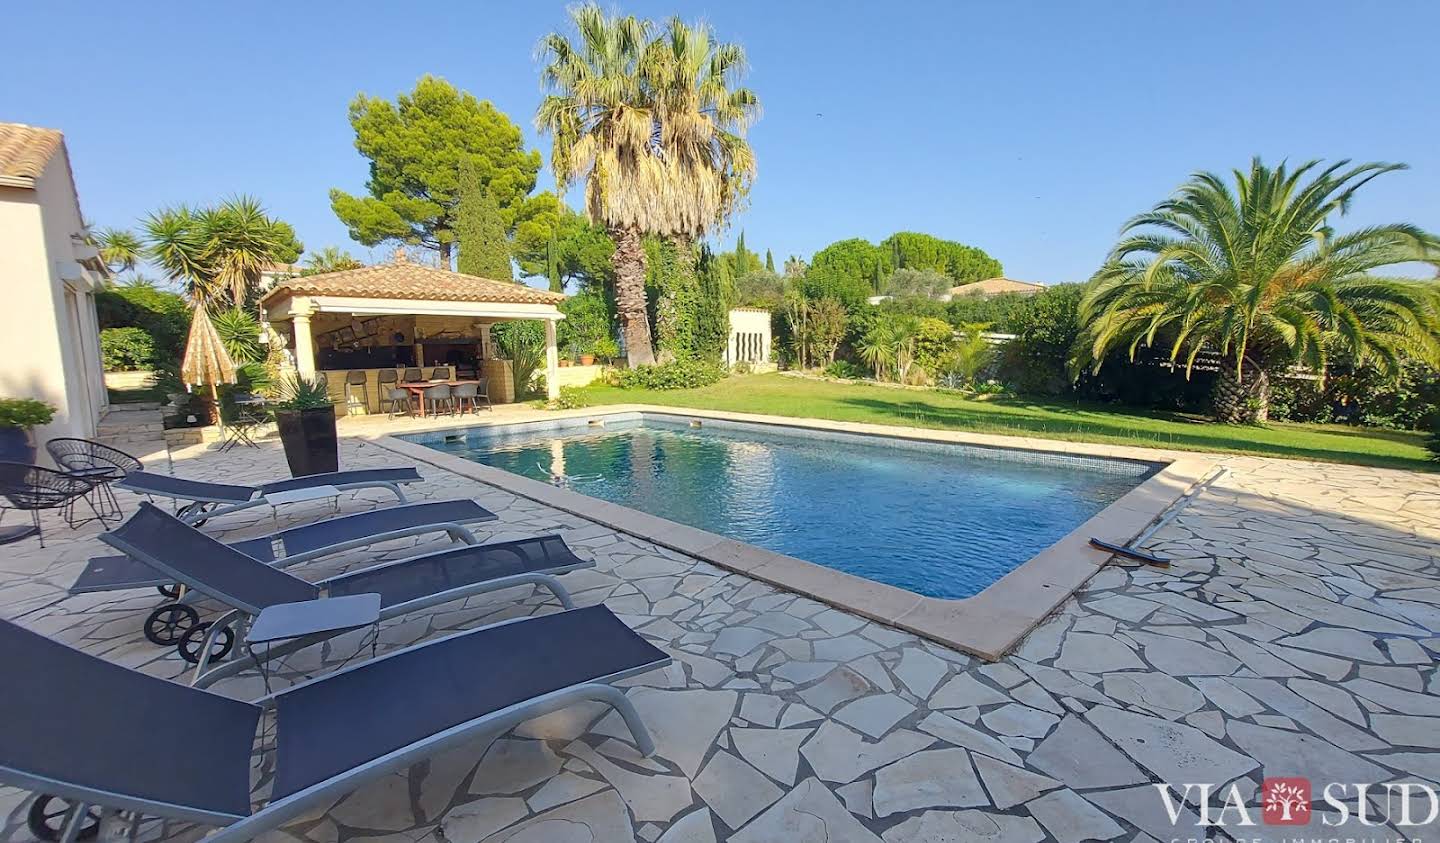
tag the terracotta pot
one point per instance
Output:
(587, 360)
(564, 362)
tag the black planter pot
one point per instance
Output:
(16, 445)
(309, 438)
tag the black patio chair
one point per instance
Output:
(98, 463)
(32, 488)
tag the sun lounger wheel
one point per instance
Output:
(168, 624)
(47, 819)
(190, 510)
(194, 640)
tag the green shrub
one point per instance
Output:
(24, 412)
(587, 322)
(1433, 443)
(522, 342)
(1362, 396)
(164, 315)
(844, 369)
(571, 398)
(682, 374)
(124, 349)
(605, 348)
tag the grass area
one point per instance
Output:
(779, 395)
(137, 395)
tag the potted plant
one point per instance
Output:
(17, 416)
(605, 348)
(306, 419)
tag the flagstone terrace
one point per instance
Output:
(1295, 635)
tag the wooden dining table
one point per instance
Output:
(417, 389)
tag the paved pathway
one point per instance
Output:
(1295, 636)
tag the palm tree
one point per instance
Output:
(904, 331)
(330, 259)
(218, 253)
(702, 119)
(121, 250)
(1257, 276)
(601, 117)
(877, 348)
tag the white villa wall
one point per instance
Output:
(750, 340)
(49, 334)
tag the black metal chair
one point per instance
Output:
(242, 416)
(32, 488)
(97, 462)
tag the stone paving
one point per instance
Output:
(1294, 636)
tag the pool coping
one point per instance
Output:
(988, 624)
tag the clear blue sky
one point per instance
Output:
(1032, 130)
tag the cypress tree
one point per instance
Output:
(769, 261)
(484, 248)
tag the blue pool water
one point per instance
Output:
(940, 520)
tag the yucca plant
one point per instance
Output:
(297, 393)
(1252, 271)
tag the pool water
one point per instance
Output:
(939, 520)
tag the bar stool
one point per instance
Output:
(440, 373)
(413, 375)
(436, 395)
(357, 378)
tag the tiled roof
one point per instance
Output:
(402, 280)
(24, 151)
(996, 286)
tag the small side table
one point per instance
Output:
(308, 493)
(285, 621)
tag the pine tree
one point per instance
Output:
(484, 248)
(769, 261)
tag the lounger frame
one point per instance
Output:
(226, 506)
(235, 828)
(242, 612)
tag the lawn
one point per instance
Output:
(780, 395)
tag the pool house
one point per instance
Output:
(358, 327)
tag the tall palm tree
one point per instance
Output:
(601, 117)
(702, 118)
(218, 253)
(1257, 275)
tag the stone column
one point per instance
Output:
(304, 346)
(552, 361)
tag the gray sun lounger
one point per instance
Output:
(306, 542)
(160, 749)
(208, 500)
(249, 587)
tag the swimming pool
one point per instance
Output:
(937, 519)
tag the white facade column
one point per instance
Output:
(552, 362)
(304, 346)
